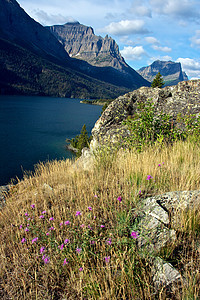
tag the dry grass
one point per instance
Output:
(25, 275)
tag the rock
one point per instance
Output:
(47, 188)
(86, 161)
(182, 98)
(3, 192)
(172, 72)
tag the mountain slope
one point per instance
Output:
(172, 72)
(81, 43)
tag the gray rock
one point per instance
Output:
(3, 193)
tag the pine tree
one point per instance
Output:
(158, 81)
(83, 140)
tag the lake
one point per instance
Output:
(34, 129)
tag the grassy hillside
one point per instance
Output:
(66, 232)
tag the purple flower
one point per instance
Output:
(66, 241)
(41, 217)
(149, 177)
(95, 196)
(109, 242)
(46, 260)
(28, 225)
(78, 213)
(26, 214)
(140, 192)
(102, 226)
(23, 241)
(92, 242)
(67, 222)
(119, 199)
(51, 228)
(78, 250)
(61, 246)
(90, 208)
(42, 249)
(134, 234)
(61, 224)
(33, 205)
(89, 227)
(29, 219)
(44, 212)
(159, 165)
(47, 233)
(51, 219)
(107, 259)
(82, 225)
(65, 262)
(26, 229)
(34, 240)
(20, 227)
(80, 269)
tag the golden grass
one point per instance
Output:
(23, 273)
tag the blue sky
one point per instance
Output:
(144, 30)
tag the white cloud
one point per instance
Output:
(196, 39)
(133, 53)
(160, 48)
(126, 27)
(176, 8)
(190, 66)
(52, 19)
(140, 9)
(151, 40)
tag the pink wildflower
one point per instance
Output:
(23, 241)
(134, 234)
(78, 213)
(119, 199)
(107, 259)
(90, 208)
(33, 205)
(66, 241)
(67, 222)
(65, 262)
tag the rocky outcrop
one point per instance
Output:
(183, 98)
(81, 43)
(172, 72)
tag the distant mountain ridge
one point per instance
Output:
(81, 43)
(171, 71)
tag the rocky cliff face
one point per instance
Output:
(17, 26)
(172, 72)
(183, 98)
(81, 43)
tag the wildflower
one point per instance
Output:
(159, 165)
(78, 250)
(109, 242)
(61, 246)
(28, 225)
(33, 205)
(66, 241)
(65, 262)
(41, 217)
(44, 212)
(140, 192)
(95, 217)
(61, 224)
(23, 241)
(82, 225)
(92, 242)
(149, 177)
(34, 240)
(95, 196)
(42, 249)
(80, 269)
(102, 226)
(26, 214)
(89, 227)
(67, 222)
(20, 227)
(26, 229)
(90, 208)
(51, 219)
(29, 219)
(119, 199)
(134, 234)
(47, 233)
(107, 259)
(46, 260)
(78, 213)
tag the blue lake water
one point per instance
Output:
(34, 129)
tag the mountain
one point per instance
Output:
(81, 43)
(171, 71)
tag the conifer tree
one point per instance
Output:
(83, 140)
(158, 81)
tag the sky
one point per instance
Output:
(145, 30)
